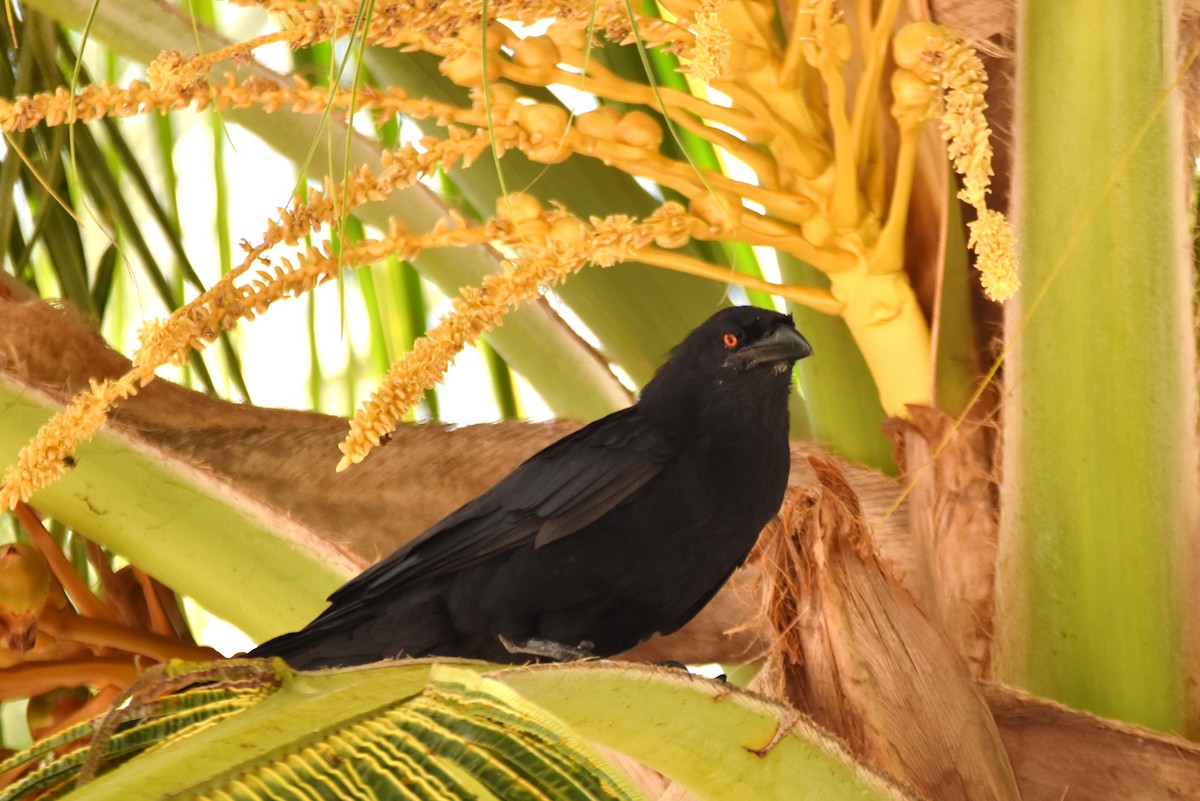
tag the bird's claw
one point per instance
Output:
(548, 649)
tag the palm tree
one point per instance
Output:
(831, 109)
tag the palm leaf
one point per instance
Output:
(418, 729)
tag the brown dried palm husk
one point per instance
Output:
(954, 523)
(854, 650)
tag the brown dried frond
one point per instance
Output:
(854, 651)
(790, 564)
(779, 557)
(952, 486)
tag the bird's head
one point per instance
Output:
(739, 347)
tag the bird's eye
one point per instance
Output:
(731, 340)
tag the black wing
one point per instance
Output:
(553, 494)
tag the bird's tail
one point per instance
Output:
(365, 631)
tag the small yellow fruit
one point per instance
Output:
(913, 99)
(518, 207)
(24, 577)
(500, 95)
(911, 44)
(498, 35)
(600, 123)
(639, 129)
(467, 69)
(568, 39)
(543, 122)
(536, 52)
(569, 231)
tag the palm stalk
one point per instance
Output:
(1100, 451)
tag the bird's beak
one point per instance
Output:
(784, 344)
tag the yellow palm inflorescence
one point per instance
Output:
(825, 190)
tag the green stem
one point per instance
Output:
(502, 381)
(1100, 462)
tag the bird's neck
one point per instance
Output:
(751, 407)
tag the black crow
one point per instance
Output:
(625, 528)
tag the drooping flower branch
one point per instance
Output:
(941, 60)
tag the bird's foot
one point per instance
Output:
(546, 649)
(676, 665)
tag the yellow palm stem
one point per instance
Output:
(604, 83)
(868, 92)
(886, 322)
(844, 210)
(761, 162)
(812, 297)
(793, 56)
(888, 255)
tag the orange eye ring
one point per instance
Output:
(730, 339)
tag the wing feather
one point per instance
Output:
(552, 495)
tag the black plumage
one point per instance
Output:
(625, 528)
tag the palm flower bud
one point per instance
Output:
(639, 129)
(913, 98)
(537, 52)
(518, 207)
(498, 35)
(568, 231)
(24, 578)
(546, 126)
(600, 123)
(911, 44)
(467, 68)
(571, 42)
(501, 98)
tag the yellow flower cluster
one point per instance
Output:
(227, 302)
(43, 459)
(995, 247)
(939, 58)
(550, 245)
(821, 192)
(793, 219)
(712, 42)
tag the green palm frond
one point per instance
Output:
(417, 729)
